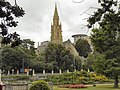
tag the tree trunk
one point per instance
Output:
(116, 82)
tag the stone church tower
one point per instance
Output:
(56, 32)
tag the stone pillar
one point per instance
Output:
(43, 71)
(81, 69)
(17, 72)
(67, 70)
(28, 72)
(12, 71)
(88, 70)
(33, 72)
(52, 71)
(60, 71)
(8, 72)
(74, 70)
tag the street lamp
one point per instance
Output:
(23, 66)
(72, 74)
(74, 64)
(1, 64)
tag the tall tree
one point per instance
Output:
(83, 47)
(106, 38)
(8, 13)
(14, 58)
(58, 56)
(27, 43)
(29, 46)
(39, 63)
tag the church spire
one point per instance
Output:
(56, 12)
(56, 32)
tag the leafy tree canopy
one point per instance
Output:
(83, 47)
(13, 58)
(106, 7)
(58, 56)
(106, 38)
(8, 13)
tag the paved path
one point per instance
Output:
(101, 84)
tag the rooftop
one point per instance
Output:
(78, 35)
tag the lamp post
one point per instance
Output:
(1, 64)
(72, 74)
(74, 64)
(23, 66)
(74, 69)
(0, 76)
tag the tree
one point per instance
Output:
(40, 85)
(106, 7)
(39, 63)
(78, 63)
(106, 38)
(58, 56)
(14, 58)
(90, 62)
(83, 47)
(109, 46)
(27, 43)
(8, 13)
(29, 47)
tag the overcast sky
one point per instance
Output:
(36, 23)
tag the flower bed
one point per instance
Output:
(73, 86)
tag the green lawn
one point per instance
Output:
(99, 87)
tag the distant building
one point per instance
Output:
(79, 36)
(41, 48)
(56, 30)
(56, 37)
(69, 46)
(82, 36)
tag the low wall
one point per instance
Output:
(15, 87)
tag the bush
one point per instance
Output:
(78, 77)
(16, 77)
(40, 85)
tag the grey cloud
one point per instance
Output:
(39, 15)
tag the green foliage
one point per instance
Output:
(90, 62)
(106, 38)
(27, 43)
(57, 57)
(78, 63)
(108, 67)
(106, 6)
(17, 77)
(83, 47)
(39, 63)
(8, 15)
(39, 85)
(82, 77)
(13, 58)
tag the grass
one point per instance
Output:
(98, 87)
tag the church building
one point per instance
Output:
(56, 37)
(56, 30)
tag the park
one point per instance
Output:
(49, 45)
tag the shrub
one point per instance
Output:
(16, 77)
(40, 85)
(78, 77)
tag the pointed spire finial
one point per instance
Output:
(55, 5)
(56, 12)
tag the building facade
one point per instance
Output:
(56, 30)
